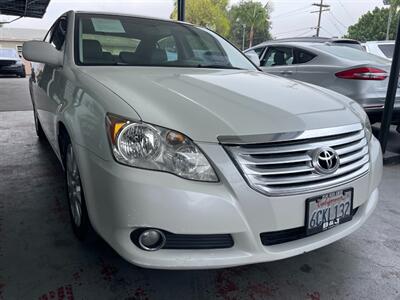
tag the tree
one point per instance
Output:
(252, 18)
(212, 14)
(372, 25)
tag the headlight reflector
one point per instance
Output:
(138, 141)
(146, 146)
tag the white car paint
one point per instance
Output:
(205, 105)
(375, 47)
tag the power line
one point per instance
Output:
(296, 30)
(345, 9)
(330, 33)
(322, 8)
(305, 33)
(340, 30)
(292, 11)
(337, 20)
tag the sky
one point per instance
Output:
(289, 18)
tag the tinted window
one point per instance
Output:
(122, 40)
(277, 56)
(59, 33)
(349, 53)
(168, 44)
(303, 56)
(259, 51)
(387, 49)
(350, 45)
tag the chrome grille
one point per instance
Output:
(284, 167)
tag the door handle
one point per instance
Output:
(286, 72)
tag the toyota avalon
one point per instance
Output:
(181, 154)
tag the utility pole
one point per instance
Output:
(389, 22)
(322, 8)
(243, 35)
(181, 10)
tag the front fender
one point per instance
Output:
(83, 112)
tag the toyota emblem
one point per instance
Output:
(325, 160)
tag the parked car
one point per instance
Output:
(383, 49)
(196, 159)
(11, 63)
(323, 40)
(356, 74)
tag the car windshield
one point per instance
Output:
(387, 49)
(133, 41)
(9, 53)
(350, 53)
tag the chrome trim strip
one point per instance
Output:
(250, 160)
(298, 148)
(306, 178)
(287, 136)
(313, 186)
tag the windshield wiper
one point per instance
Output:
(218, 67)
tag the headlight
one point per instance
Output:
(141, 145)
(360, 112)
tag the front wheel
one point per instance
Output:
(76, 199)
(38, 126)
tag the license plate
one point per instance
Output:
(327, 211)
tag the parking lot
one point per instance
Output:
(41, 259)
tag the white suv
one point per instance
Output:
(182, 154)
(383, 49)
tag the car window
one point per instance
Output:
(168, 44)
(59, 33)
(259, 51)
(277, 56)
(350, 45)
(302, 56)
(350, 53)
(135, 41)
(387, 49)
(48, 35)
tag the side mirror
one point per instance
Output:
(253, 57)
(42, 52)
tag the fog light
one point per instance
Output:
(151, 239)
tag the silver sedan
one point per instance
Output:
(353, 73)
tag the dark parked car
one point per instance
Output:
(11, 63)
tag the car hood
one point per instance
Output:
(207, 103)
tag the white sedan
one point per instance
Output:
(181, 153)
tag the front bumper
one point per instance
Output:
(12, 69)
(120, 199)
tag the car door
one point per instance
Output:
(309, 70)
(48, 78)
(279, 60)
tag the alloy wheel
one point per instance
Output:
(74, 186)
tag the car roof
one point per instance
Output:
(311, 40)
(304, 45)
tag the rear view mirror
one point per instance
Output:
(42, 52)
(253, 57)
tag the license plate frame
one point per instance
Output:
(331, 222)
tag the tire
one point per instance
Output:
(38, 126)
(23, 73)
(76, 199)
